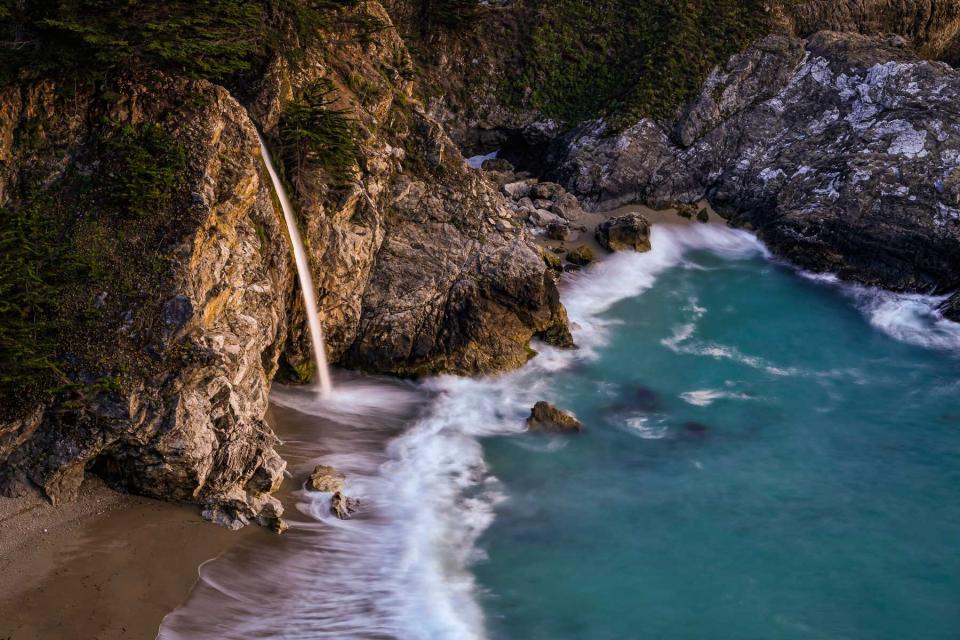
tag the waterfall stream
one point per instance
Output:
(303, 271)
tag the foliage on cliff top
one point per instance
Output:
(625, 58)
(212, 39)
(78, 251)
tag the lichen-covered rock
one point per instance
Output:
(546, 418)
(841, 151)
(630, 232)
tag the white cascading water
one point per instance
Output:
(303, 271)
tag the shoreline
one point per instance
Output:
(113, 565)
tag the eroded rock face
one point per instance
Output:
(189, 425)
(843, 152)
(931, 24)
(629, 232)
(420, 265)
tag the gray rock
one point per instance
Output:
(567, 206)
(519, 189)
(543, 219)
(842, 152)
(546, 190)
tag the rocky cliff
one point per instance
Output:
(931, 25)
(168, 334)
(148, 295)
(151, 289)
(842, 151)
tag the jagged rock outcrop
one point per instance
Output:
(842, 151)
(546, 418)
(326, 480)
(418, 265)
(193, 354)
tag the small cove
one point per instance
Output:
(766, 455)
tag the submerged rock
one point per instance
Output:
(326, 480)
(625, 233)
(343, 506)
(547, 418)
(696, 429)
(951, 308)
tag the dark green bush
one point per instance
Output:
(213, 39)
(92, 232)
(447, 14)
(313, 132)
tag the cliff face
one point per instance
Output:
(842, 151)
(932, 25)
(182, 305)
(179, 301)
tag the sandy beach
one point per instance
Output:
(107, 566)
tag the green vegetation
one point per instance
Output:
(75, 253)
(150, 167)
(313, 132)
(214, 39)
(628, 58)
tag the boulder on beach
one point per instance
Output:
(630, 232)
(326, 480)
(547, 418)
(581, 256)
(343, 506)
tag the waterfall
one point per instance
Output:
(303, 271)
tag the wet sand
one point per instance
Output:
(107, 566)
